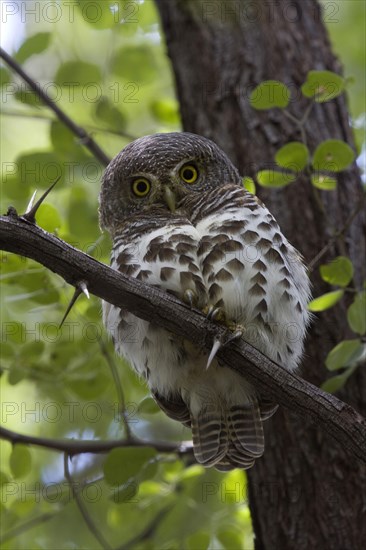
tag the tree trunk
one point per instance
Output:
(307, 491)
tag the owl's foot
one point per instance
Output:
(190, 297)
(215, 314)
(233, 332)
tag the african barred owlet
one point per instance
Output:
(181, 220)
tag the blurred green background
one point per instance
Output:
(104, 63)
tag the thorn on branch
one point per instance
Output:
(30, 214)
(30, 204)
(80, 287)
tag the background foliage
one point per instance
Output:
(104, 64)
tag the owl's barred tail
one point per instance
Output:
(228, 439)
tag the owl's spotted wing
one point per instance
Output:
(253, 272)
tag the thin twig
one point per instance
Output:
(83, 509)
(336, 236)
(84, 137)
(27, 525)
(74, 447)
(148, 532)
(118, 386)
(306, 114)
(42, 518)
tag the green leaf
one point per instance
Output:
(38, 170)
(67, 146)
(356, 314)
(230, 539)
(322, 181)
(166, 110)
(293, 156)
(325, 301)
(199, 540)
(323, 85)
(78, 73)
(16, 374)
(85, 226)
(32, 349)
(338, 272)
(16, 188)
(20, 461)
(148, 406)
(125, 463)
(33, 45)
(28, 97)
(37, 285)
(126, 493)
(249, 184)
(7, 351)
(344, 354)
(135, 64)
(337, 382)
(90, 381)
(4, 76)
(269, 94)
(4, 478)
(98, 13)
(48, 218)
(109, 114)
(333, 155)
(272, 178)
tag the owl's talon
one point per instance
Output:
(228, 336)
(190, 297)
(215, 348)
(215, 313)
(237, 332)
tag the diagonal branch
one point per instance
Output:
(82, 508)
(84, 137)
(336, 418)
(149, 531)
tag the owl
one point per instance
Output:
(181, 220)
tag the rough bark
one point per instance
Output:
(305, 492)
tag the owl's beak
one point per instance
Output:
(169, 198)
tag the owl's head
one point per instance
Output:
(157, 172)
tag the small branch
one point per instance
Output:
(118, 386)
(26, 526)
(148, 532)
(336, 236)
(82, 508)
(84, 137)
(75, 446)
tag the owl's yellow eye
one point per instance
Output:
(189, 173)
(141, 187)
